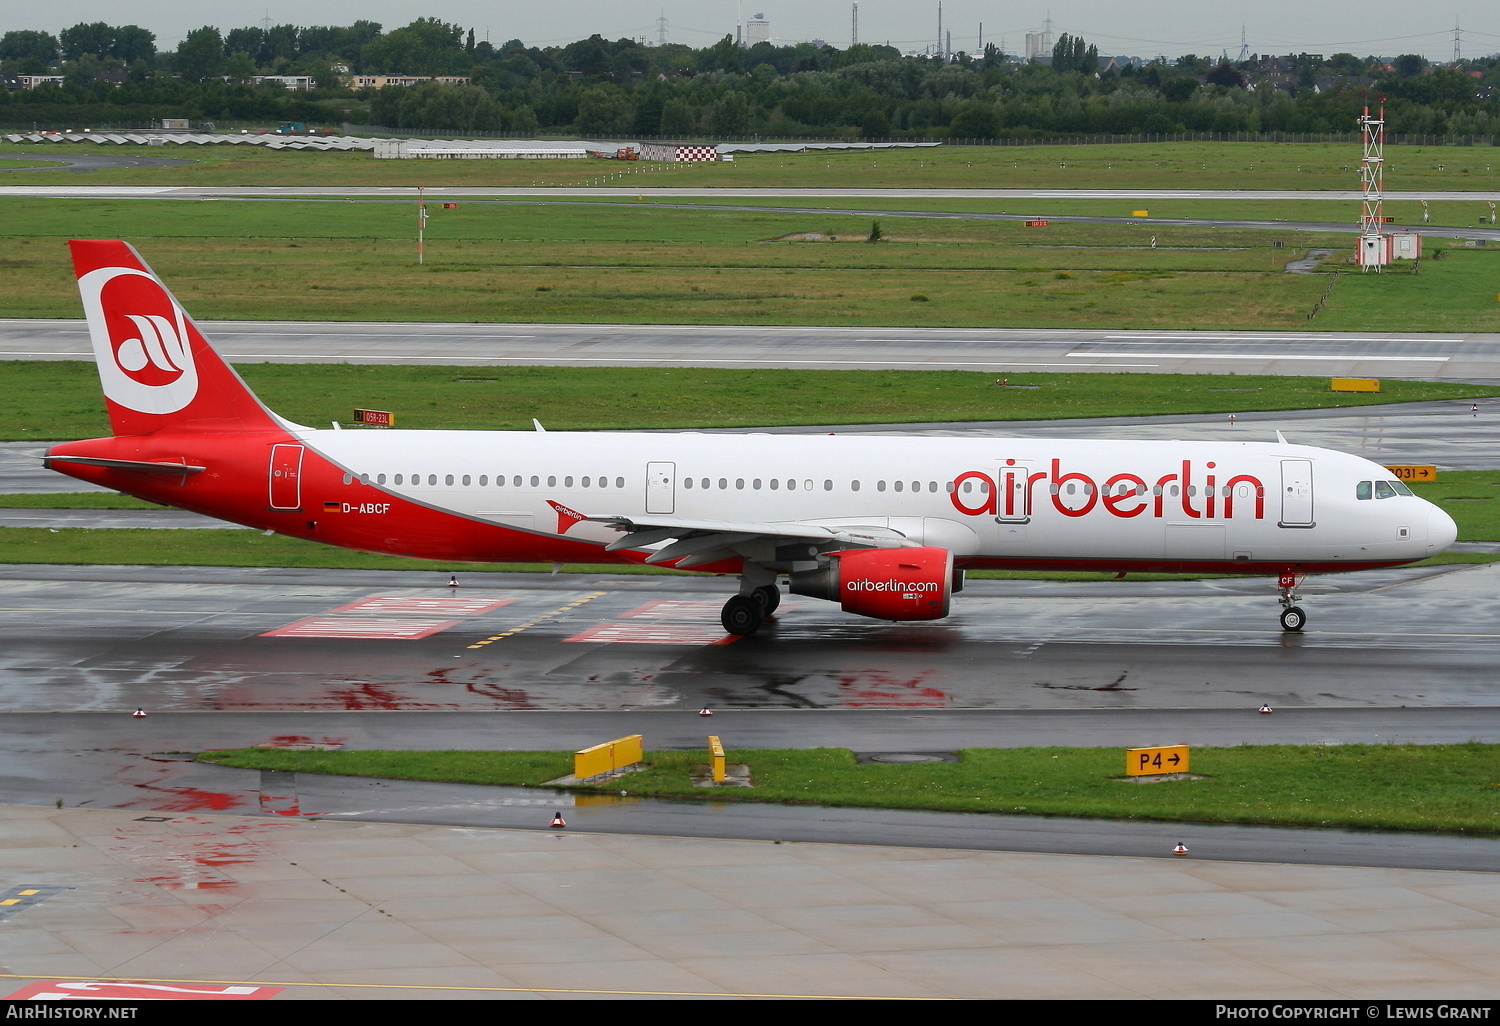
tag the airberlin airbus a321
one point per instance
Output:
(885, 527)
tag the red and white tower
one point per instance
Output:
(1374, 245)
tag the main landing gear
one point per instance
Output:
(1292, 617)
(743, 614)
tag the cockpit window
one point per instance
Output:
(1383, 490)
(1401, 488)
(1363, 490)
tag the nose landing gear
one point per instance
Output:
(1293, 619)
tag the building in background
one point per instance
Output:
(757, 30)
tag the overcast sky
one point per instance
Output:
(1143, 28)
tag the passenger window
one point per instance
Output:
(484, 479)
(619, 482)
(898, 485)
(791, 484)
(568, 481)
(585, 482)
(432, 480)
(380, 479)
(739, 484)
(535, 481)
(466, 480)
(755, 484)
(703, 483)
(775, 484)
(1363, 490)
(1383, 490)
(515, 482)
(828, 486)
(687, 482)
(398, 478)
(880, 486)
(552, 481)
(854, 486)
(723, 483)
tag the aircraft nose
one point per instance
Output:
(1441, 530)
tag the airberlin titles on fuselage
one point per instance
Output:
(1124, 495)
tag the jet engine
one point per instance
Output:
(886, 584)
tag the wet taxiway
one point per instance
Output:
(245, 640)
(235, 657)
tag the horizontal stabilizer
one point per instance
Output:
(135, 466)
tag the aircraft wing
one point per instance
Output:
(691, 542)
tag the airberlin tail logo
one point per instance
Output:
(141, 340)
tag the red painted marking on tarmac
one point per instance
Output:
(121, 990)
(674, 609)
(287, 740)
(366, 695)
(510, 698)
(665, 622)
(622, 632)
(177, 883)
(881, 688)
(192, 799)
(363, 628)
(417, 604)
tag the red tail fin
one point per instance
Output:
(157, 369)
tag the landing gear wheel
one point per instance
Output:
(1293, 618)
(742, 615)
(768, 598)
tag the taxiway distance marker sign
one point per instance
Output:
(1141, 762)
(1414, 472)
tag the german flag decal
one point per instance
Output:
(333, 507)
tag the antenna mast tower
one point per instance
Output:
(1374, 245)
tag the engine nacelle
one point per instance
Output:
(886, 584)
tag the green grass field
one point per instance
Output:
(506, 263)
(57, 400)
(1280, 166)
(1427, 788)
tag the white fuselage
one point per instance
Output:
(1000, 501)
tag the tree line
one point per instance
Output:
(600, 88)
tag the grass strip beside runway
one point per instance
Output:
(1428, 788)
(60, 399)
(650, 264)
